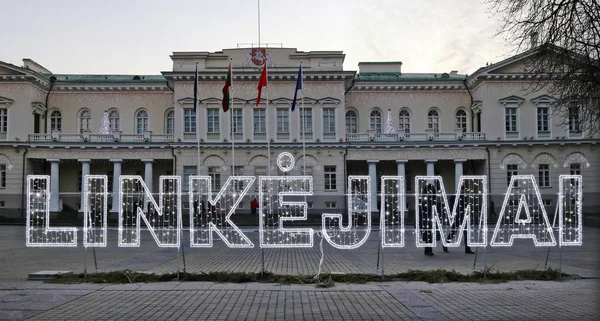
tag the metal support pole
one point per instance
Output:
(95, 261)
(262, 262)
(553, 224)
(85, 263)
(485, 262)
(475, 260)
(183, 255)
(382, 256)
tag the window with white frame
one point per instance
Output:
(170, 122)
(329, 120)
(511, 119)
(260, 121)
(189, 121)
(330, 205)
(238, 120)
(461, 120)
(187, 172)
(511, 170)
(238, 171)
(85, 118)
(260, 171)
(212, 120)
(574, 120)
(141, 122)
(306, 120)
(114, 120)
(543, 118)
(433, 120)
(2, 176)
(575, 169)
(215, 174)
(56, 121)
(283, 120)
(330, 178)
(375, 121)
(3, 121)
(351, 122)
(404, 121)
(544, 175)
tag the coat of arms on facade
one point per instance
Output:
(257, 57)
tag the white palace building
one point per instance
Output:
(448, 124)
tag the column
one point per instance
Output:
(402, 172)
(147, 179)
(373, 177)
(430, 166)
(116, 191)
(458, 170)
(85, 170)
(54, 186)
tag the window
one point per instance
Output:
(79, 174)
(305, 121)
(170, 122)
(547, 202)
(461, 120)
(283, 120)
(55, 121)
(2, 176)
(259, 121)
(511, 170)
(260, 171)
(404, 121)
(375, 121)
(2, 204)
(114, 120)
(109, 181)
(215, 175)
(351, 122)
(510, 120)
(575, 169)
(3, 121)
(238, 171)
(544, 175)
(433, 120)
(309, 205)
(189, 121)
(330, 178)
(141, 122)
(574, 120)
(187, 172)
(84, 120)
(329, 120)
(330, 204)
(306, 170)
(543, 119)
(238, 120)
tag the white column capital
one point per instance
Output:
(460, 160)
(85, 160)
(147, 160)
(116, 160)
(372, 161)
(431, 160)
(53, 160)
(401, 161)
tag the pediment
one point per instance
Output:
(543, 99)
(38, 107)
(211, 100)
(329, 100)
(512, 99)
(186, 101)
(5, 101)
(283, 100)
(6, 69)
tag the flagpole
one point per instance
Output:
(231, 124)
(267, 126)
(258, 23)
(197, 126)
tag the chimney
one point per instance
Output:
(534, 39)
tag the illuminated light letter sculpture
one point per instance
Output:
(468, 212)
(392, 211)
(210, 214)
(359, 213)
(163, 220)
(95, 193)
(38, 230)
(570, 230)
(274, 211)
(523, 197)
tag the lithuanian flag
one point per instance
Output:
(226, 89)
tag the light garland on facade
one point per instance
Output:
(523, 195)
(358, 229)
(392, 211)
(95, 191)
(163, 220)
(38, 232)
(570, 231)
(469, 211)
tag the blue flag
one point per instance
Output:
(298, 87)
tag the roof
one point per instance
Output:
(403, 77)
(110, 78)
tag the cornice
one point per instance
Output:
(112, 88)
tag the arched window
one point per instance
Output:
(351, 122)
(461, 120)
(141, 122)
(85, 118)
(56, 121)
(114, 120)
(170, 122)
(404, 121)
(433, 120)
(375, 121)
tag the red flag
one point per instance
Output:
(262, 83)
(226, 90)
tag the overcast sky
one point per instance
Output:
(137, 36)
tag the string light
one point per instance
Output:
(95, 193)
(523, 195)
(359, 213)
(570, 196)
(37, 224)
(392, 211)
(469, 211)
(208, 214)
(163, 220)
(273, 211)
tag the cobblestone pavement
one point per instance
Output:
(567, 300)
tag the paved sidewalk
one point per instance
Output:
(567, 300)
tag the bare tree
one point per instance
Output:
(563, 38)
